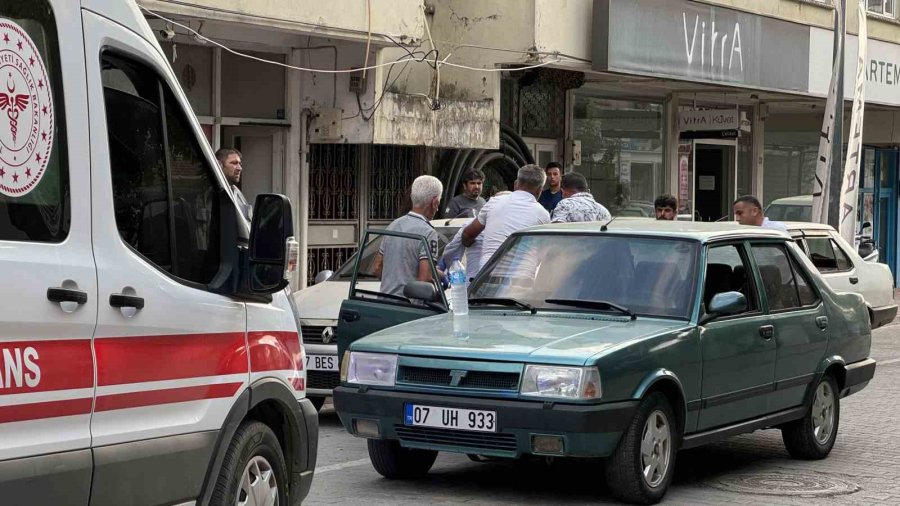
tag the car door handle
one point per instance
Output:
(349, 315)
(854, 280)
(121, 300)
(58, 294)
(822, 322)
(767, 332)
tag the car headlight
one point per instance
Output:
(371, 369)
(572, 383)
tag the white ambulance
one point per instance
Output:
(149, 353)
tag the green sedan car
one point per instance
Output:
(628, 342)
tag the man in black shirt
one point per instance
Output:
(469, 202)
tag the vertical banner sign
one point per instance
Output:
(823, 162)
(850, 186)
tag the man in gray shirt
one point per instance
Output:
(402, 260)
(469, 202)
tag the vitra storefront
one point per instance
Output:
(740, 100)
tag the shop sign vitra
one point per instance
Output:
(708, 119)
(700, 42)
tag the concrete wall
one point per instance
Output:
(339, 18)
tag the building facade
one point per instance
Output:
(704, 99)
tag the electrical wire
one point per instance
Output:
(263, 60)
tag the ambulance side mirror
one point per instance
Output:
(273, 249)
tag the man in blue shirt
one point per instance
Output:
(553, 194)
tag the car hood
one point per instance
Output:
(323, 301)
(554, 338)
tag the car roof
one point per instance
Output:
(702, 231)
(798, 200)
(450, 222)
(806, 225)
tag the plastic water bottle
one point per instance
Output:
(459, 294)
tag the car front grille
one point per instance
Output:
(312, 334)
(327, 380)
(486, 380)
(480, 440)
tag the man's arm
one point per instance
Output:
(424, 270)
(472, 232)
(378, 265)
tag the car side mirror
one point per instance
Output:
(323, 276)
(727, 303)
(422, 290)
(273, 249)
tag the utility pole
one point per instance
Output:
(836, 174)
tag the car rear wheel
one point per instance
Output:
(813, 436)
(641, 468)
(253, 471)
(397, 463)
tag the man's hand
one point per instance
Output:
(472, 232)
(378, 265)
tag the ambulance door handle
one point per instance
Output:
(66, 295)
(120, 300)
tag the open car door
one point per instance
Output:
(367, 309)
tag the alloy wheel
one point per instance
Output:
(656, 449)
(823, 413)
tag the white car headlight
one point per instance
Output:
(572, 383)
(372, 369)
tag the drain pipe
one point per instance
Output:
(303, 201)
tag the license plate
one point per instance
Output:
(321, 363)
(450, 418)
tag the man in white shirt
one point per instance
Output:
(454, 250)
(748, 211)
(513, 212)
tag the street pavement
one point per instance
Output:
(755, 468)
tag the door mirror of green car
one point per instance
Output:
(727, 303)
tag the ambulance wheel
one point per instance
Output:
(253, 471)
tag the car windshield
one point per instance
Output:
(784, 212)
(345, 271)
(647, 276)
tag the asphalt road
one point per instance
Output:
(751, 469)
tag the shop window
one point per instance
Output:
(34, 169)
(791, 151)
(621, 151)
(253, 89)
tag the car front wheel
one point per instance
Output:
(397, 463)
(812, 437)
(641, 468)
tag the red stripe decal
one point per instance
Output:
(165, 396)
(41, 366)
(275, 351)
(139, 359)
(51, 409)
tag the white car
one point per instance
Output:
(320, 304)
(845, 270)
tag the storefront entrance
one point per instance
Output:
(878, 201)
(715, 165)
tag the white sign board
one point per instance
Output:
(708, 119)
(882, 72)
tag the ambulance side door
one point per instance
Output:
(171, 354)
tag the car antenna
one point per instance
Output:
(606, 225)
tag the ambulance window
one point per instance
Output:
(163, 190)
(34, 173)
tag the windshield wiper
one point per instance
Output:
(503, 301)
(592, 304)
